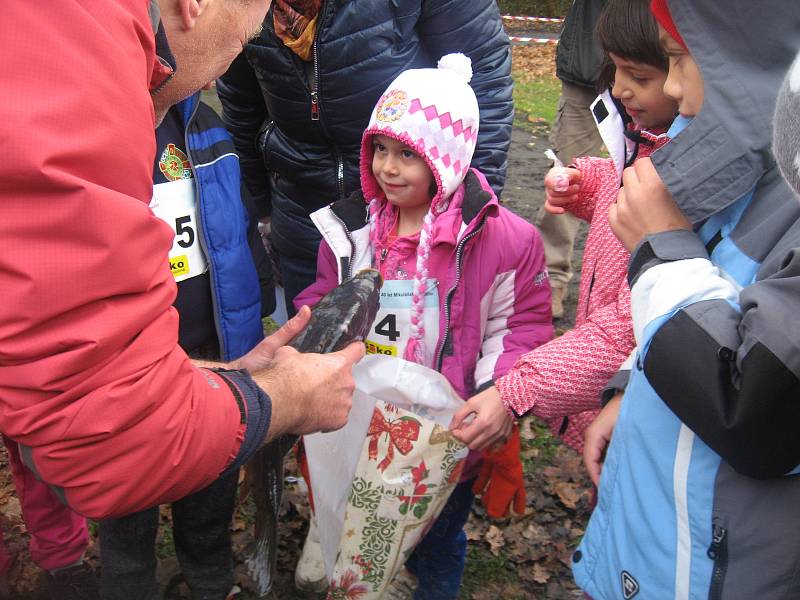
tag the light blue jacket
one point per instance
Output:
(697, 496)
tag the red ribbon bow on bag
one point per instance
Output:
(500, 482)
(402, 432)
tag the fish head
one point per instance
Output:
(344, 315)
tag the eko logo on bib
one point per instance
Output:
(179, 265)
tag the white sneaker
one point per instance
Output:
(309, 576)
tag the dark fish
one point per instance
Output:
(341, 317)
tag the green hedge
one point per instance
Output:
(535, 8)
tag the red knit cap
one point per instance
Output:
(661, 12)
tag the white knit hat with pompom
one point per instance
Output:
(435, 113)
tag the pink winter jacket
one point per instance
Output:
(493, 308)
(562, 380)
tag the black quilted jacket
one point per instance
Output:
(297, 126)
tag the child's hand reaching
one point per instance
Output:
(492, 423)
(644, 206)
(598, 436)
(561, 186)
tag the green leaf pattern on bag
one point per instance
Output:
(378, 538)
(364, 495)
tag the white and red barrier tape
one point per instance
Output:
(538, 19)
(531, 40)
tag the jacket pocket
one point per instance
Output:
(718, 552)
(753, 546)
(262, 141)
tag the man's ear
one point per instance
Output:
(190, 10)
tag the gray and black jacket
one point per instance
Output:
(698, 496)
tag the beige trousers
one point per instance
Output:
(574, 134)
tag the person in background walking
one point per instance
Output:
(574, 133)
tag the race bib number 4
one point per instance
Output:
(390, 331)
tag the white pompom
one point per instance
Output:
(458, 63)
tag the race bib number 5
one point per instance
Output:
(174, 202)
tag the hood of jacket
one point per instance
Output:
(743, 49)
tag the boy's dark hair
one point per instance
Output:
(628, 29)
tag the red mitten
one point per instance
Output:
(500, 483)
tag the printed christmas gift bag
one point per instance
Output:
(399, 464)
(407, 469)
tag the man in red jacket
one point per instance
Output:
(104, 404)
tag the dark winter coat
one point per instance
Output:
(579, 55)
(298, 126)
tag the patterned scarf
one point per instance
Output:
(295, 23)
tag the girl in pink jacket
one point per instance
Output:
(562, 381)
(465, 287)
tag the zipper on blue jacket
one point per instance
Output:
(718, 552)
(449, 297)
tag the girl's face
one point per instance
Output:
(401, 173)
(684, 82)
(640, 88)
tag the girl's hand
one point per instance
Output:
(561, 186)
(492, 423)
(598, 436)
(644, 206)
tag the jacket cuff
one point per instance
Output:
(666, 246)
(484, 386)
(255, 408)
(615, 385)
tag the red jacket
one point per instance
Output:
(93, 384)
(564, 377)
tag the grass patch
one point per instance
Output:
(538, 446)
(165, 543)
(535, 101)
(210, 97)
(485, 568)
(269, 325)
